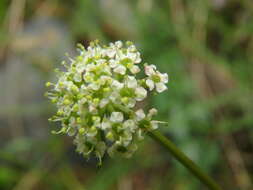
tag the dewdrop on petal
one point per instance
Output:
(96, 99)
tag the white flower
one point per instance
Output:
(130, 125)
(152, 112)
(117, 85)
(106, 124)
(116, 117)
(103, 102)
(135, 69)
(150, 84)
(92, 108)
(94, 86)
(132, 48)
(114, 96)
(141, 93)
(154, 125)
(131, 103)
(138, 58)
(120, 69)
(160, 87)
(77, 77)
(131, 82)
(150, 70)
(126, 138)
(111, 53)
(164, 77)
(97, 95)
(140, 115)
(118, 44)
(103, 79)
(155, 79)
(113, 63)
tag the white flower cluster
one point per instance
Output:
(96, 98)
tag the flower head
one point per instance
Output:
(96, 97)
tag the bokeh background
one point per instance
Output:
(206, 47)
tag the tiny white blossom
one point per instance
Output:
(77, 77)
(117, 85)
(150, 84)
(104, 102)
(150, 69)
(152, 112)
(92, 108)
(154, 125)
(131, 103)
(111, 53)
(106, 124)
(141, 93)
(160, 87)
(113, 63)
(94, 86)
(116, 117)
(130, 125)
(140, 115)
(131, 82)
(135, 69)
(118, 44)
(120, 69)
(155, 79)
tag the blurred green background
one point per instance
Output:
(206, 47)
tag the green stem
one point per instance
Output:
(180, 156)
(183, 159)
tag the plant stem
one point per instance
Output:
(183, 159)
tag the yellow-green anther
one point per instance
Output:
(54, 100)
(66, 102)
(109, 136)
(78, 120)
(88, 97)
(93, 129)
(75, 108)
(81, 131)
(106, 89)
(74, 88)
(79, 96)
(125, 100)
(61, 84)
(96, 100)
(156, 78)
(129, 43)
(130, 65)
(60, 112)
(48, 84)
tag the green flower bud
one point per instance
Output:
(48, 84)
(96, 100)
(75, 108)
(81, 131)
(110, 136)
(125, 100)
(66, 102)
(78, 120)
(74, 89)
(54, 100)
(106, 89)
